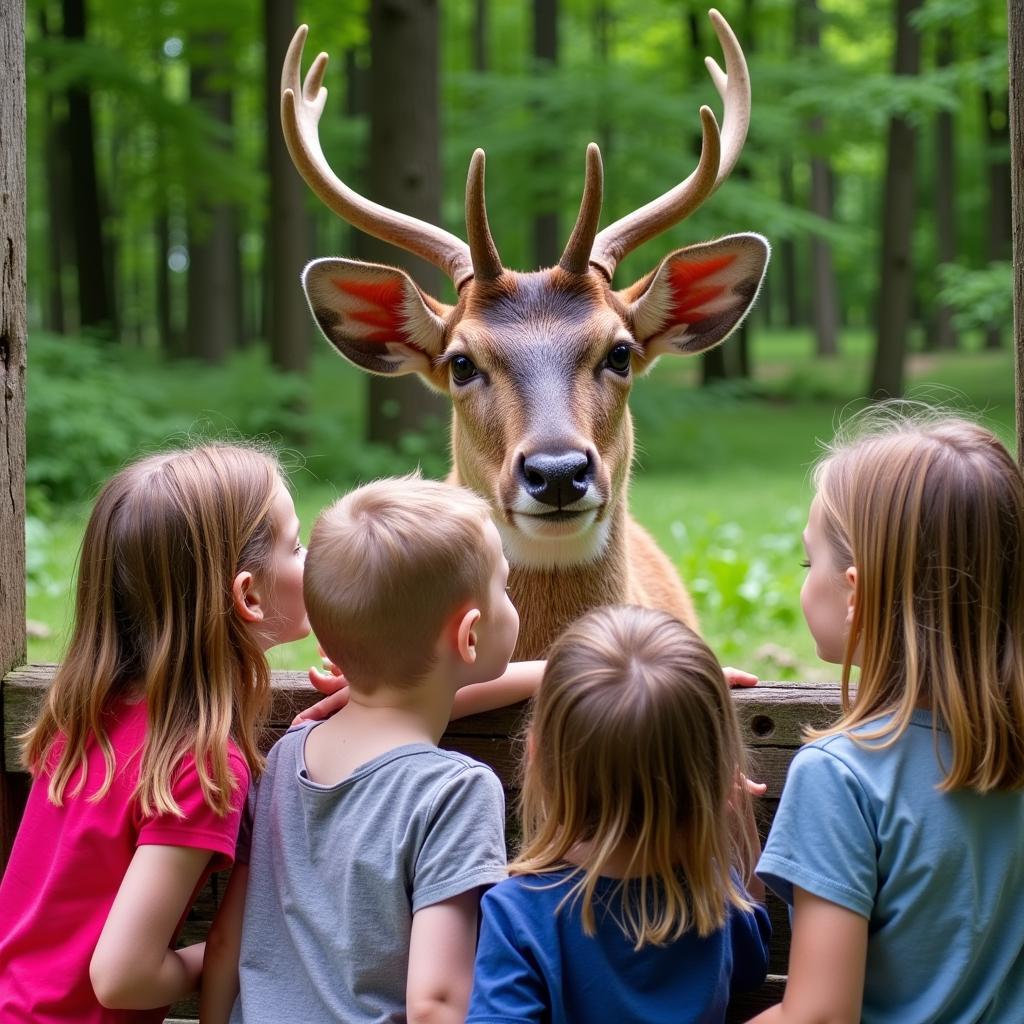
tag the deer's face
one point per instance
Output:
(539, 366)
(539, 369)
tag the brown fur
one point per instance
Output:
(633, 570)
(538, 342)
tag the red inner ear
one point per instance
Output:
(683, 276)
(386, 298)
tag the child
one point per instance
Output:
(624, 906)
(190, 569)
(898, 841)
(369, 844)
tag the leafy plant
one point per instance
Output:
(979, 297)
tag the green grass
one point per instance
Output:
(722, 481)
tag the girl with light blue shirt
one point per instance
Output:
(899, 839)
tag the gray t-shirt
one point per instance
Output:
(337, 872)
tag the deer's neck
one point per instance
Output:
(549, 599)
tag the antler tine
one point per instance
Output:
(301, 107)
(482, 250)
(619, 239)
(733, 85)
(576, 258)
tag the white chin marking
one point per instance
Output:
(533, 543)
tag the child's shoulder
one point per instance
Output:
(449, 776)
(878, 739)
(871, 762)
(521, 894)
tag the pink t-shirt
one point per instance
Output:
(67, 865)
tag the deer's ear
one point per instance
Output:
(698, 295)
(375, 316)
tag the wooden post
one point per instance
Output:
(12, 378)
(1015, 17)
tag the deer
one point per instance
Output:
(539, 365)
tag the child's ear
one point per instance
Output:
(465, 636)
(851, 582)
(245, 599)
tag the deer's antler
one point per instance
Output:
(302, 103)
(718, 156)
(483, 251)
(576, 257)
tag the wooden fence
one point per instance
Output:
(772, 715)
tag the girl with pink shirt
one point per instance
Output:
(190, 569)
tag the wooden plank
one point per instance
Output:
(772, 715)
(13, 332)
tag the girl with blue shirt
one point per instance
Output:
(625, 903)
(899, 840)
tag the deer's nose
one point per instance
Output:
(557, 479)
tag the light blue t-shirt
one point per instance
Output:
(939, 876)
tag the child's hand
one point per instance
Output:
(324, 708)
(328, 680)
(738, 679)
(752, 787)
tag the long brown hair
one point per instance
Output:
(929, 508)
(634, 742)
(153, 621)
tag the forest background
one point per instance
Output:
(167, 230)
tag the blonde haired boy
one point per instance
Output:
(369, 844)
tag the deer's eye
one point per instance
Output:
(463, 369)
(619, 359)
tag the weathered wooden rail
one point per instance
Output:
(772, 714)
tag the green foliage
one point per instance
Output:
(92, 407)
(979, 297)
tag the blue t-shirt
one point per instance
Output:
(534, 962)
(939, 876)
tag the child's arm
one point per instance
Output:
(827, 956)
(441, 951)
(220, 964)
(519, 682)
(133, 966)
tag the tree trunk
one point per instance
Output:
(740, 344)
(170, 343)
(1016, 104)
(59, 246)
(287, 249)
(546, 248)
(405, 175)
(824, 290)
(944, 333)
(212, 329)
(95, 297)
(481, 35)
(895, 297)
(998, 240)
(713, 365)
(787, 270)
(13, 333)
(162, 283)
(603, 24)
